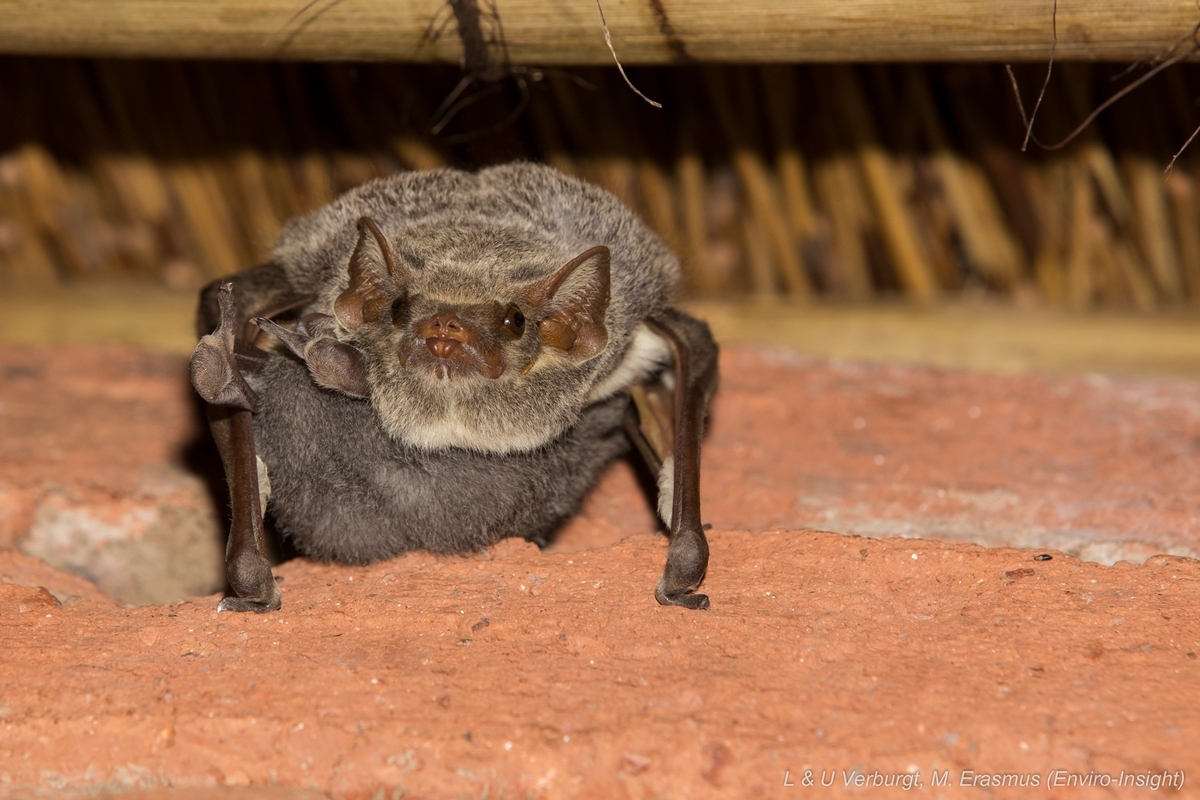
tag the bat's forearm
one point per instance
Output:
(695, 380)
(218, 368)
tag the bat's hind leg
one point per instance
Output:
(217, 370)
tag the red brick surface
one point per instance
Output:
(518, 673)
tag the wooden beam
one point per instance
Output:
(544, 32)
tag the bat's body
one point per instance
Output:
(469, 353)
(351, 493)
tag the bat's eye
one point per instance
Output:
(514, 321)
(397, 309)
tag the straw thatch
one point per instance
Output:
(829, 181)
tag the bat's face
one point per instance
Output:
(466, 353)
(445, 341)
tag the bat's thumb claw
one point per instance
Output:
(228, 311)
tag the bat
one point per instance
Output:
(468, 351)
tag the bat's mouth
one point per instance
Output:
(447, 359)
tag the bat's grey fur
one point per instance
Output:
(394, 450)
(343, 490)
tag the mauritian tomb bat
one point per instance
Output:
(470, 350)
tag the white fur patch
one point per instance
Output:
(450, 431)
(666, 490)
(646, 354)
(264, 484)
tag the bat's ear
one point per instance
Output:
(572, 302)
(375, 275)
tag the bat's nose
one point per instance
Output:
(443, 325)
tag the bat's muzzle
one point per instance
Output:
(444, 333)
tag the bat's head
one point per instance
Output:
(484, 347)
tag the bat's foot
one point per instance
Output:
(243, 604)
(253, 585)
(687, 561)
(214, 367)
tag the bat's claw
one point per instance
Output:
(270, 599)
(696, 602)
(243, 604)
